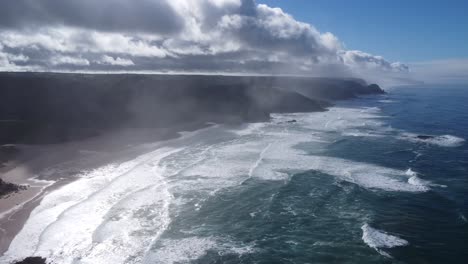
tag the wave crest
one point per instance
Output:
(378, 239)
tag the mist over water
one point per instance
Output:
(353, 184)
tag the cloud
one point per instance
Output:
(361, 60)
(7, 60)
(68, 60)
(222, 36)
(151, 16)
(108, 60)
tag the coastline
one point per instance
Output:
(19, 244)
(15, 208)
(82, 133)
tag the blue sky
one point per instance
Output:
(399, 30)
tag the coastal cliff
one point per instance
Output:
(52, 108)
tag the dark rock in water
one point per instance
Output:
(424, 137)
(8, 188)
(292, 121)
(32, 260)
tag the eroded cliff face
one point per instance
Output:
(51, 108)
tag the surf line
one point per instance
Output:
(259, 160)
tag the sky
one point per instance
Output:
(399, 30)
(379, 41)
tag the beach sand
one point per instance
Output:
(44, 168)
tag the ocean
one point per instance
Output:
(378, 179)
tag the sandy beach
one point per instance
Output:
(44, 168)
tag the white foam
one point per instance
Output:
(259, 160)
(249, 129)
(270, 153)
(387, 101)
(462, 217)
(283, 157)
(378, 239)
(323, 243)
(442, 141)
(124, 208)
(116, 214)
(187, 249)
(362, 134)
(416, 181)
(70, 221)
(181, 251)
(336, 119)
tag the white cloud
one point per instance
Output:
(108, 60)
(8, 61)
(200, 36)
(5, 64)
(72, 40)
(68, 60)
(361, 60)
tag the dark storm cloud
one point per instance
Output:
(107, 15)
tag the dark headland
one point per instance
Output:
(38, 108)
(53, 109)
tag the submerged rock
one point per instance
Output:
(424, 137)
(32, 260)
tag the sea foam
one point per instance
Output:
(191, 248)
(87, 209)
(282, 157)
(442, 141)
(378, 239)
(416, 181)
(124, 208)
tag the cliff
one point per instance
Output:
(52, 108)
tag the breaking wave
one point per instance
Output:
(442, 141)
(378, 239)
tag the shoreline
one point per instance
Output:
(18, 244)
(98, 120)
(102, 149)
(15, 208)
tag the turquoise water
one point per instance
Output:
(351, 185)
